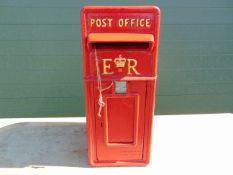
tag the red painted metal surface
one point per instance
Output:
(120, 49)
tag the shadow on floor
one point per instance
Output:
(45, 144)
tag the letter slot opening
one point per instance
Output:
(122, 45)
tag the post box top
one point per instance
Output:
(144, 8)
(120, 19)
(120, 41)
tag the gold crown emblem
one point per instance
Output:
(120, 62)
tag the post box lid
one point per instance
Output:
(120, 37)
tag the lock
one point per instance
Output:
(120, 48)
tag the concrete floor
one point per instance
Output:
(182, 144)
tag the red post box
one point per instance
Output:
(120, 48)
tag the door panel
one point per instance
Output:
(120, 129)
(121, 119)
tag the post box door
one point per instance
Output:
(120, 129)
